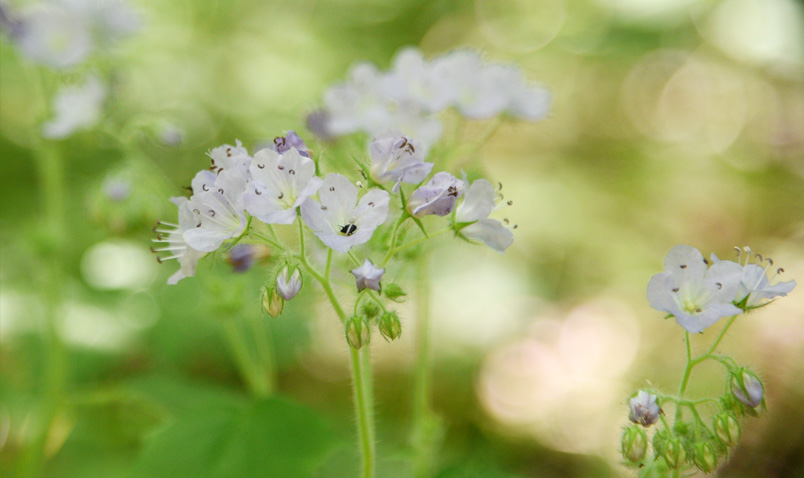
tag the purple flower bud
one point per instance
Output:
(282, 144)
(288, 287)
(368, 276)
(241, 257)
(747, 388)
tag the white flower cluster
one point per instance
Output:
(698, 292)
(63, 34)
(273, 184)
(410, 95)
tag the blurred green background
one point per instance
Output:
(672, 122)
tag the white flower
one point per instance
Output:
(695, 295)
(412, 77)
(396, 158)
(217, 214)
(230, 157)
(279, 184)
(172, 240)
(64, 33)
(76, 107)
(437, 197)
(339, 220)
(755, 285)
(288, 287)
(747, 388)
(358, 104)
(368, 276)
(480, 90)
(477, 204)
(528, 102)
(644, 409)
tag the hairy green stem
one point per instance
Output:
(423, 416)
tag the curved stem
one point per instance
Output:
(721, 335)
(687, 370)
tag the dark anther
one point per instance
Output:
(261, 166)
(675, 290)
(683, 266)
(196, 211)
(719, 285)
(220, 190)
(281, 195)
(290, 171)
(452, 191)
(323, 208)
(205, 187)
(257, 192)
(199, 224)
(212, 212)
(158, 259)
(152, 249)
(371, 204)
(280, 167)
(332, 188)
(510, 203)
(698, 311)
(706, 261)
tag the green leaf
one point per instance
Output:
(267, 438)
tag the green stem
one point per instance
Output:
(411, 244)
(722, 334)
(301, 240)
(51, 172)
(362, 387)
(686, 377)
(261, 331)
(256, 382)
(423, 417)
(397, 224)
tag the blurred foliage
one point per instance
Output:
(665, 129)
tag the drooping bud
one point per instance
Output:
(644, 409)
(394, 292)
(357, 332)
(705, 457)
(438, 196)
(368, 276)
(674, 453)
(272, 302)
(288, 287)
(727, 429)
(390, 327)
(746, 387)
(635, 443)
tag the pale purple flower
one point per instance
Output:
(695, 295)
(477, 204)
(339, 220)
(279, 184)
(242, 257)
(747, 388)
(437, 197)
(398, 159)
(368, 276)
(644, 409)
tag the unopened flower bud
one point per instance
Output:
(369, 309)
(272, 302)
(644, 409)
(635, 443)
(394, 292)
(705, 457)
(288, 287)
(727, 429)
(368, 276)
(674, 453)
(746, 387)
(357, 332)
(390, 327)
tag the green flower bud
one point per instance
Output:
(394, 292)
(727, 429)
(705, 457)
(746, 387)
(674, 453)
(635, 444)
(370, 309)
(390, 327)
(357, 332)
(272, 302)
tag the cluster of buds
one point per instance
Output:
(698, 292)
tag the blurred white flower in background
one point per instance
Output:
(77, 107)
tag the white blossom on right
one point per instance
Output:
(339, 220)
(755, 285)
(696, 295)
(478, 203)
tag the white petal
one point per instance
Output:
(660, 292)
(477, 203)
(339, 196)
(686, 260)
(204, 240)
(491, 232)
